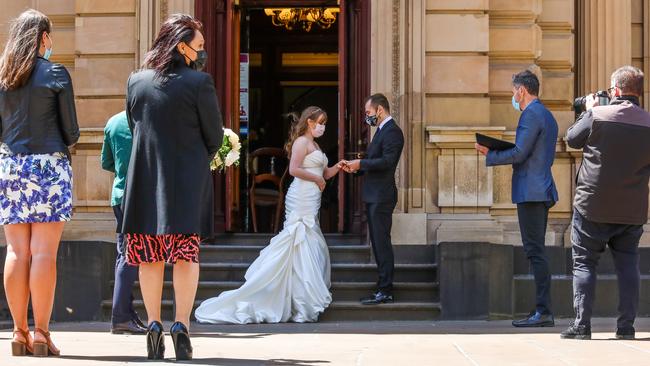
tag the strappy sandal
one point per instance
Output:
(44, 349)
(21, 348)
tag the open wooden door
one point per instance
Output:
(221, 19)
(354, 80)
(221, 29)
(354, 88)
(232, 174)
(342, 110)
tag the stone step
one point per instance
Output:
(337, 311)
(606, 304)
(341, 291)
(341, 272)
(400, 311)
(265, 238)
(7, 324)
(402, 291)
(236, 253)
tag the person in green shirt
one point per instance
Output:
(116, 152)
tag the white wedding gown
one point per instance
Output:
(290, 279)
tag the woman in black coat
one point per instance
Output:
(168, 202)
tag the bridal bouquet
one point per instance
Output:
(228, 154)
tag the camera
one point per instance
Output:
(579, 104)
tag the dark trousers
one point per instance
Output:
(125, 276)
(380, 221)
(533, 217)
(589, 240)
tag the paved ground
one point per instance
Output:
(354, 343)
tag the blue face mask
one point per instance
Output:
(515, 104)
(48, 51)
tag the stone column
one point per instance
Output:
(646, 52)
(455, 79)
(415, 103)
(387, 69)
(105, 54)
(515, 45)
(148, 25)
(557, 60)
(605, 41)
(638, 38)
(558, 87)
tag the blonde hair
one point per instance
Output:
(21, 50)
(299, 124)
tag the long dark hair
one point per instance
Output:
(299, 124)
(163, 54)
(21, 50)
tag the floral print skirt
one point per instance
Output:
(35, 188)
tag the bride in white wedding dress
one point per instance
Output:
(290, 279)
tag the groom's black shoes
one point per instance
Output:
(379, 297)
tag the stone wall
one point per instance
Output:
(445, 65)
(100, 42)
(456, 59)
(96, 41)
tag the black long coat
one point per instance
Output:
(177, 129)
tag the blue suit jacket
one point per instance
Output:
(532, 157)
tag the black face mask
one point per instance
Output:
(201, 59)
(372, 120)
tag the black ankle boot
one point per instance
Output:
(577, 332)
(625, 333)
(182, 345)
(155, 341)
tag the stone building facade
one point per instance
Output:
(446, 65)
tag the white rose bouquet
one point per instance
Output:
(229, 152)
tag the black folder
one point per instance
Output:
(492, 143)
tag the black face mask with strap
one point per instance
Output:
(201, 59)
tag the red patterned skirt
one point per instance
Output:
(143, 248)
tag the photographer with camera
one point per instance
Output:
(611, 200)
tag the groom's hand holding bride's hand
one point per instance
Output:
(352, 166)
(342, 165)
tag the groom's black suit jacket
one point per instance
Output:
(379, 166)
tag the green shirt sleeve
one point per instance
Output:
(108, 163)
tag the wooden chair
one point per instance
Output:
(267, 189)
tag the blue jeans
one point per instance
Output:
(125, 276)
(589, 240)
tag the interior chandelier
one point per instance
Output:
(290, 18)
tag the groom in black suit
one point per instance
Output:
(379, 190)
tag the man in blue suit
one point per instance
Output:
(533, 188)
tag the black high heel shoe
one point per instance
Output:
(155, 341)
(182, 344)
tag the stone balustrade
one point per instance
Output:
(472, 202)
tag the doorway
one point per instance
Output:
(287, 71)
(263, 70)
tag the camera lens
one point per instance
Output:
(603, 97)
(579, 104)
